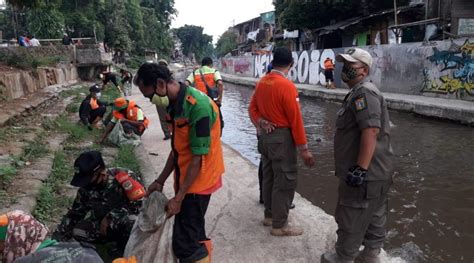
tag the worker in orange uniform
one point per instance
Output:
(196, 158)
(275, 109)
(209, 81)
(130, 115)
(92, 109)
(329, 73)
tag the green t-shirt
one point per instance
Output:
(198, 110)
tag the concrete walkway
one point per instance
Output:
(233, 220)
(455, 110)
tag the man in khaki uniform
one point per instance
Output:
(363, 164)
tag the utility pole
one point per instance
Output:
(397, 32)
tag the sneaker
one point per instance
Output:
(167, 137)
(287, 230)
(267, 221)
(368, 256)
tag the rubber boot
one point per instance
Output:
(369, 255)
(329, 257)
(209, 247)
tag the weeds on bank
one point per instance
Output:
(50, 202)
(126, 159)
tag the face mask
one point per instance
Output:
(348, 73)
(98, 94)
(161, 101)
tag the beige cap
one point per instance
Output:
(163, 62)
(356, 55)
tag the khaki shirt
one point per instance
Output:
(364, 107)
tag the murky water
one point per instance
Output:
(431, 215)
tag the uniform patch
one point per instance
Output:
(360, 104)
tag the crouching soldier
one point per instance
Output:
(106, 205)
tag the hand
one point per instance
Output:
(267, 126)
(89, 127)
(103, 226)
(173, 207)
(99, 141)
(155, 186)
(219, 102)
(355, 176)
(307, 157)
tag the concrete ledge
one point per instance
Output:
(447, 109)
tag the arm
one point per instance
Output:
(84, 111)
(107, 131)
(190, 79)
(220, 91)
(368, 141)
(157, 185)
(174, 205)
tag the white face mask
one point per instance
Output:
(98, 94)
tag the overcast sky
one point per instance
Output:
(215, 16)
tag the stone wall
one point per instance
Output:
(18, 83)
(67, 52)
(442, 69)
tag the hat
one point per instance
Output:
(120, 103)
(282, 57)
(94, 89)
(85, 166)
(163, 62)
(356, 55)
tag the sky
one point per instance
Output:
(215, 16)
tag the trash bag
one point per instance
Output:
(73, 252)
(151, 237)
(118, 136)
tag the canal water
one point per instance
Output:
(431, 205)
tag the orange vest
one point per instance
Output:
(199, 83)
(328, 64)
(94, 104)
(132, 114)
(212, 164)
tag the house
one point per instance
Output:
(256, 34)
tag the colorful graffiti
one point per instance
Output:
(458, 63)
(307, 69)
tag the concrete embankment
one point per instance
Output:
(233, 220)
(448, 109)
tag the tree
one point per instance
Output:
(194, 41)
(136, 29)
(117, 26)
(311, 14)
(45, 22)
(226, 43)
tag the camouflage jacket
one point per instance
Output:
(96, 202)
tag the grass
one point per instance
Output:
(126, 159)
(27, 61)
(7, 172)
(50, 202)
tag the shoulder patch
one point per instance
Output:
(191, 100)
(360, 103)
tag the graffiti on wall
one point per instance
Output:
(242, 66)
(454, 71)
(308, 67)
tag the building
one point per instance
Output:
(255, 35)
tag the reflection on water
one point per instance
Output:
(432, 200)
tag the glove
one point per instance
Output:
(355, 176)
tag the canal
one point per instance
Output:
(431, 207)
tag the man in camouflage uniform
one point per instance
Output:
(104, 209)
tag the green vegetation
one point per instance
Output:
(226, 43)
(126, 159)
(311, 14)
(7, 172)
(50, 201)
(24, 60)
(129, 25)
(195, 41)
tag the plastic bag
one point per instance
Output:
(151, 237)
(73, 252)
(118, 136)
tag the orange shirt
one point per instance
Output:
(276, 100)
